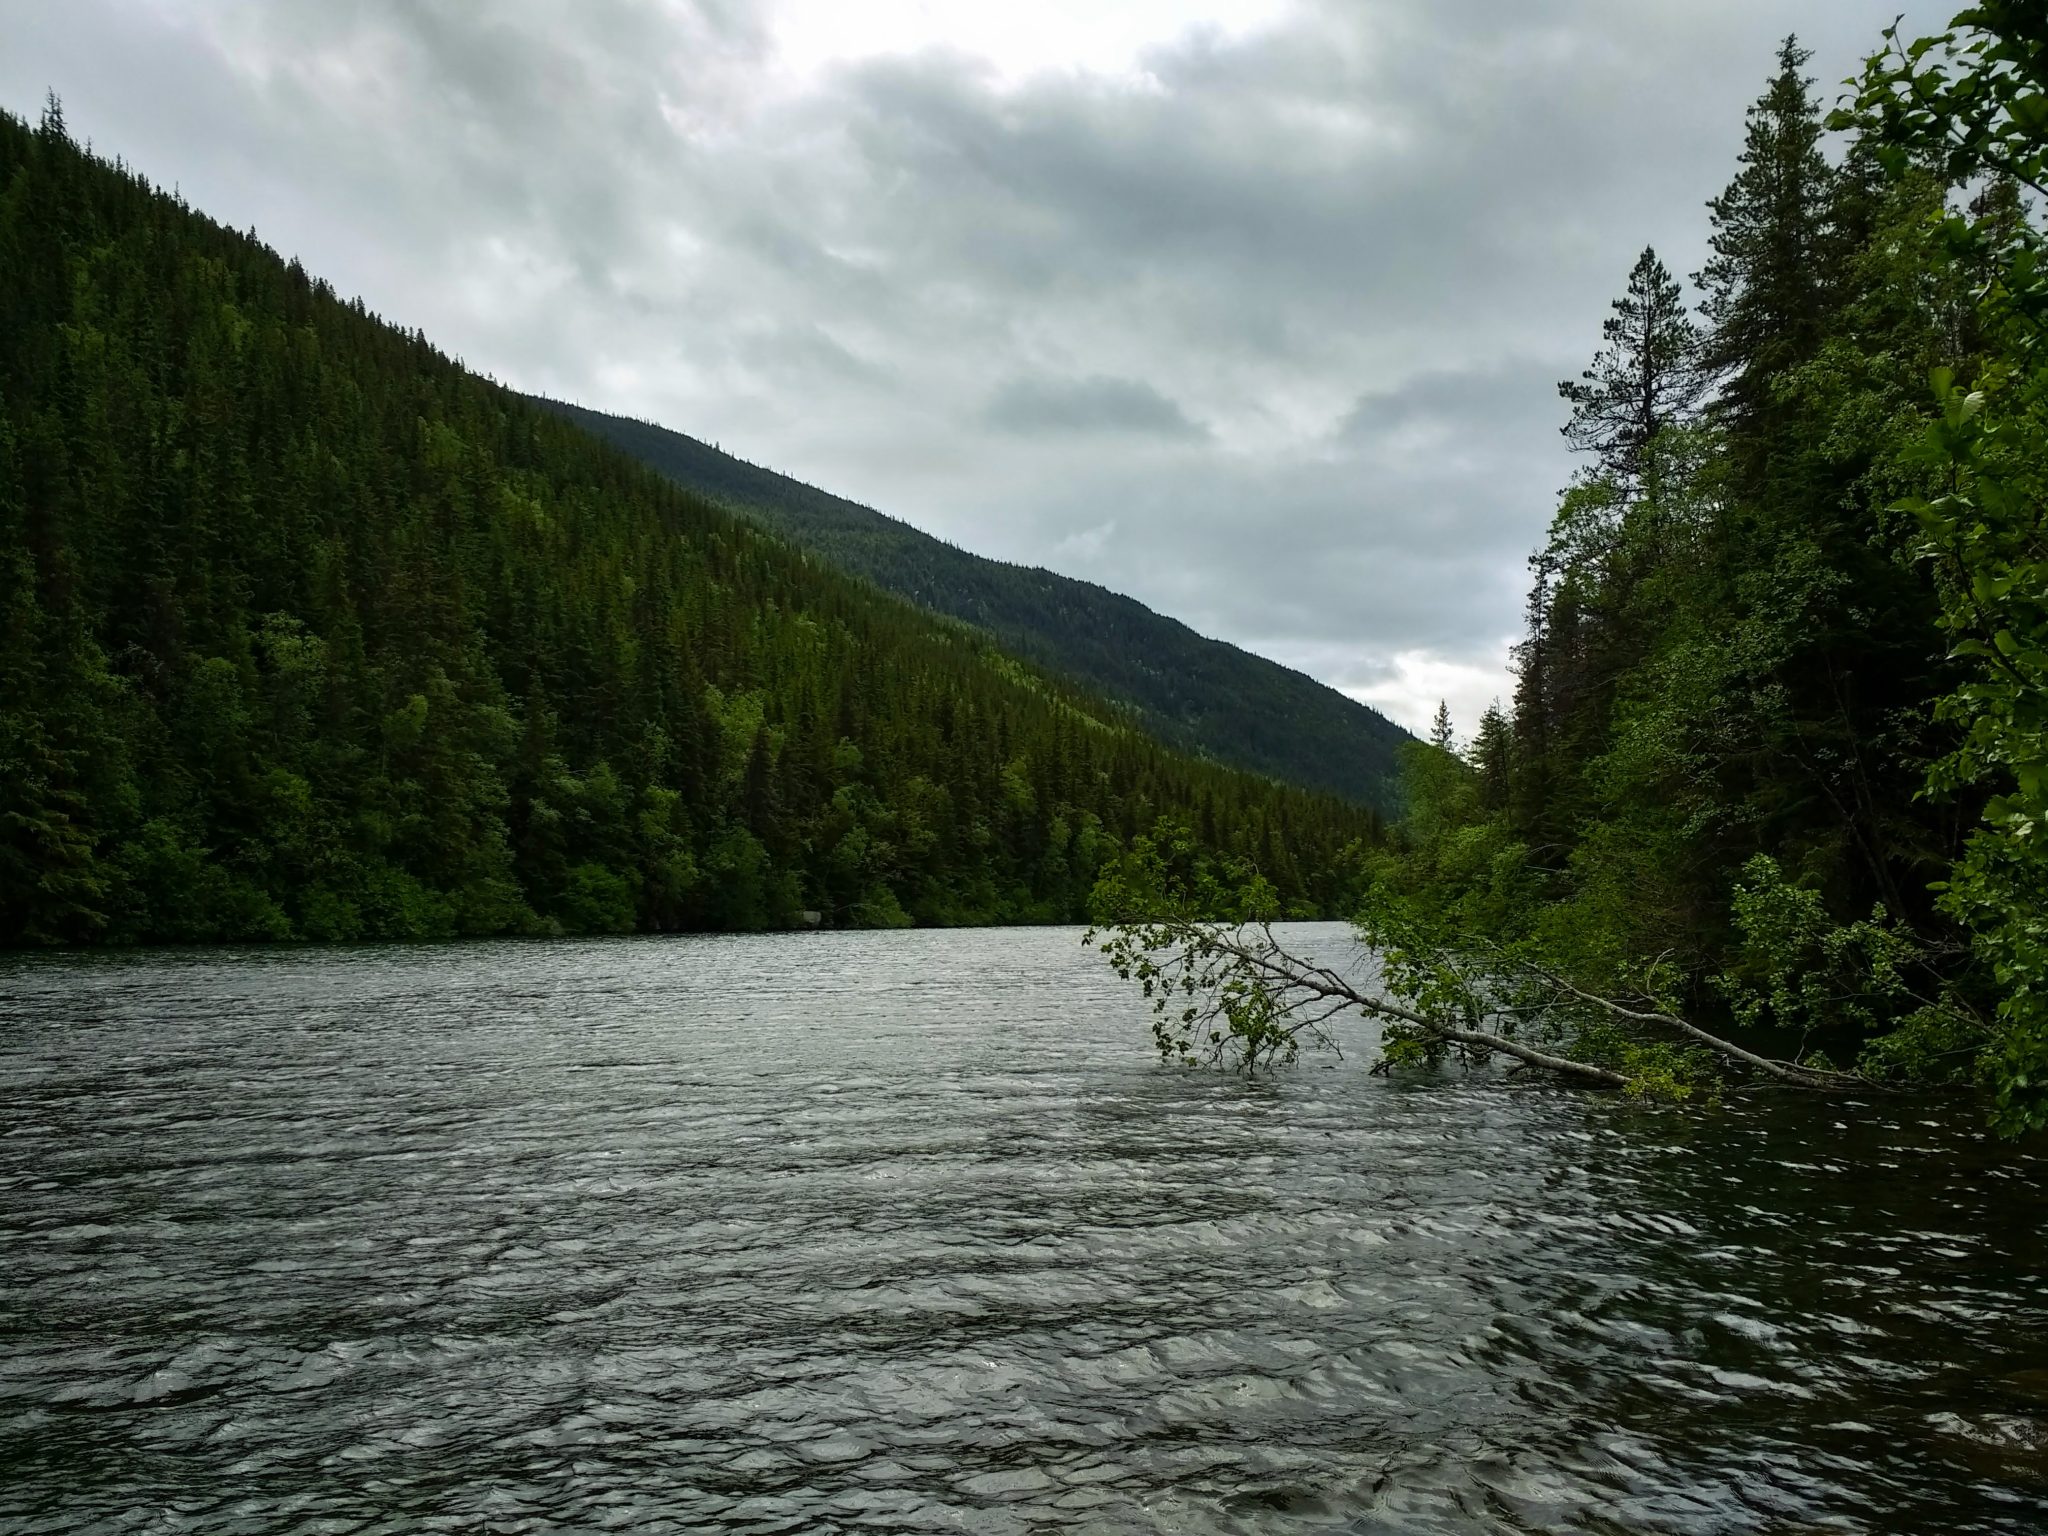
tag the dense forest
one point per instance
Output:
(1200, 695)
(1750, 744)
(1776, 765)
(306, 632)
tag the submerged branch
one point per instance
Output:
(1294, 975)
(1784, 1071)
(1233, 994)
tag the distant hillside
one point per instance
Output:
(1200, 694)
(308, 633)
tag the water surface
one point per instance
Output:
(908, 1232)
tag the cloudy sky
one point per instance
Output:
(1251, 308)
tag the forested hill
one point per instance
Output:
(307, 632)
(1200, 694)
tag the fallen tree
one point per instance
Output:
(1225, 989)
(1232, 993)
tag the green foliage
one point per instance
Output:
(1767, 296)
(598, 900)
(1728, 698)
(1871, 982)
(1644, 381)
(1989, 537)
(1974, 101)
(1225, 990)
(1209, 1001)
(305, 632)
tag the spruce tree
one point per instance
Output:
(1492, 747)
(1765, 284)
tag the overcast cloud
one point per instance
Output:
(1251, 308)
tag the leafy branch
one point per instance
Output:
(1226, 990)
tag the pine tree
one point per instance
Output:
(1645, 378)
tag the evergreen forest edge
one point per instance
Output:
(1771, 798)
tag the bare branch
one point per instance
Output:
(1783, 1071)
(1293, 982)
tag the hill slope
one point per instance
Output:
(1200, 694)
(306, 632)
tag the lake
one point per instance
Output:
(900, 1232)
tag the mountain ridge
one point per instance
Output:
(1190, 690)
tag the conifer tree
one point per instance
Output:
(1766, 281)
(1491, 750)
(1441, 734)
(1646, 377)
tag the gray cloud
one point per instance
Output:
(1265, 330)
(1060, 407)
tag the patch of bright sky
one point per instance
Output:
(1421, 681)
(1105, 37)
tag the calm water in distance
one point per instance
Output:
(910, 1232)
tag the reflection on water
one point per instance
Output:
(907, 1232)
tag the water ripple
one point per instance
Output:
(905, 1233)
